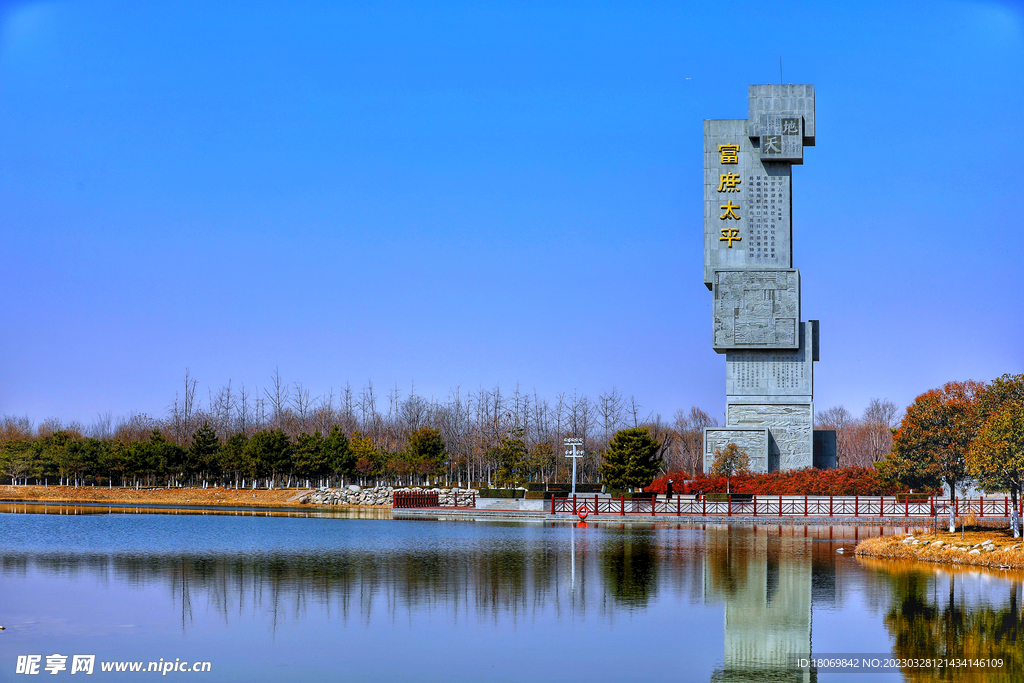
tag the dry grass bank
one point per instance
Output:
(979, 546)
(129, 496)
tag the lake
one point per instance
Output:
(335, 597)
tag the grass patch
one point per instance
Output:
(977, 546)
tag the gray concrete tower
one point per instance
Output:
(748, 266)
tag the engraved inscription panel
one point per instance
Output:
(767, 217)
(747, 221)
(756, 309)
(774, 372)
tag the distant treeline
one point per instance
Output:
(283, 436)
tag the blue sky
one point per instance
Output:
(474, 194)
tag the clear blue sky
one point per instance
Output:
(488, 193)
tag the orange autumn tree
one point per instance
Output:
(729, 461)
(996, 457)
(931, 444)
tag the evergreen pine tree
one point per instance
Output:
(632, 460)
(202, 452)
(341, 461)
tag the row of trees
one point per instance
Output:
(268, 456)
(963, 432)
(632, 459)
(284, 435)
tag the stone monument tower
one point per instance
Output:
(748, 266)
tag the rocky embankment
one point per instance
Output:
(383, 495)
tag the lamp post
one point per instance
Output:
(574, 442)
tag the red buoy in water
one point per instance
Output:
(582, 512)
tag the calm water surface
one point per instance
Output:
(326, 598)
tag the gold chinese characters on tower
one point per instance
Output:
(728, 182)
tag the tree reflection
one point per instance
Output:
(727, 560)
(630, 566)
(489, 581)
(929, 621)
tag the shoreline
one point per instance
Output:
(174, 497)
(982, 547)
(291, 500)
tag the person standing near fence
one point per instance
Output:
(668, 490)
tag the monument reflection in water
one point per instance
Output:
(283, 599)
(765, 580)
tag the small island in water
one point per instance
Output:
(972, 544)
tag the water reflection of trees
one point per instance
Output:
(630, 566)
(929, 617)
(612, 570)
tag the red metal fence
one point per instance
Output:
(407, 499)
(787, 506)
(425, 499)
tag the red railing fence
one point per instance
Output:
(408, 499)
(785, 506)
(428, 499)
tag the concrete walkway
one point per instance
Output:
(510, 515)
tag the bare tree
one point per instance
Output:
(277, 395)
(581, 419)
(103, 426)
(49, 426)
(244, 418)
(690, 426)
(609, 411)
(301, 402)
(880, 418)
(135, 427)
(222, 408)
(15, 428)
(325, 415)
(182, 412)
(413, 412)
(348, 410)
(666, 437)
(634, 411)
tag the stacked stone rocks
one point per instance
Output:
(446, 497)
(383, 495)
